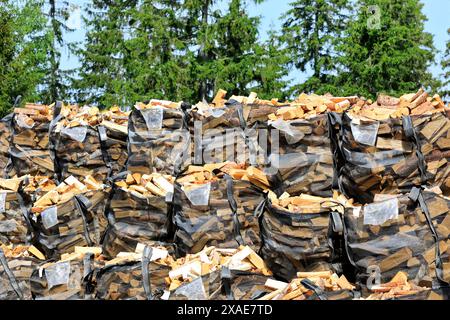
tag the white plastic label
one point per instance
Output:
(198, 196)
(76, 133)
(153, 118)
(57, 274)
(2, 202)
(365, 133)
(378, 213)
(194, 290)
(50, 217)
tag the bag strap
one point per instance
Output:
(12, 278)
(146, 255)
(103, 136)
(410, 133)
(83, 204)
(233, 206)
(308, 284)
(226, 278)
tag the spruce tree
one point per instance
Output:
(446, 68)
(309, 32)
(57, 80)
(385, 49)
(23, 52)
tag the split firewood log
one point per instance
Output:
(158, 138)
(390, 235)
(17, 264)
(139, 211)
(70, 215)
(130, 276)
(67, 278)
(216, 204)
(316, 285)
(298, 234)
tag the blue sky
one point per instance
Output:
(437, 11)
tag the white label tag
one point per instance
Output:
(365, 133)
(57, 274)
(2, 202)
(76, 133)
(379, 212)
(198, 196)
(153, 118)
(50, 217)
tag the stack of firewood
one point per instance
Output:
(139, 211)
(17, 264)
(392, 235)
(130, 277)
(77, 146)
(298, 233)
(66, 279)
(29, 146)
(115, 121)
(320, 285)
(398, 288)
(14, 222)
(158, 141)
(71, 214)
(392, 145)
(215, 204)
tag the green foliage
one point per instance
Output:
(390, 54)
(446, 68)
(23, 52)
(310, 31)
(56, 83)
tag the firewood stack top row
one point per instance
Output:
(319, 198)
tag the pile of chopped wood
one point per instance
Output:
(391, 235)
(17, 264)
(66, 279)
(216, 205)
(390, 107)
(78, 149)
(14, 222)
(29, 146)
(157, 140)
(210, 259)
(298, 234)
(71, 214)
(139, 211)
(398, 287)
(319, 285)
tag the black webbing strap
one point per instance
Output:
(334, 119)
(52, 136)
(103, 136)
(233, 206)
(25, 214)
(88, 260)
(308, 284)
(410, 133)
(146, 255)
(82, 206)
(416, 195)
(12, 278)
(226, 278)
